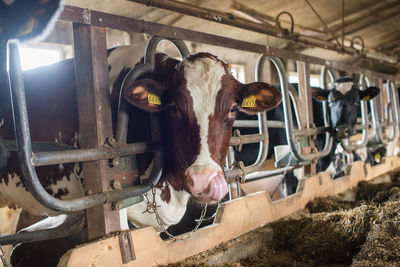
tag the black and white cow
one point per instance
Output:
(343, 106)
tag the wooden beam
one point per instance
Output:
(388, 41)
(233, 218)
(95, 123)
(372, 19)
(361, 14)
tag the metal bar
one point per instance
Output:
(265, 18)
(246, 139)
(101, 19)
(290, 135)
(72, 225)
(254, 124)
(95, 123)
(91, 154)
(229, 19)
(305, 97)
(25, 154)
(323, 23)
(343, 25)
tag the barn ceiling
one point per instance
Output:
(377, 22)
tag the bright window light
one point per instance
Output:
(293, 78)
(314, 79)
(36, 57)
(238, 73)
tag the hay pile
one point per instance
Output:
(362, 232)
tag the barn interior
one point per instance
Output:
(328, 22)
(361, 34)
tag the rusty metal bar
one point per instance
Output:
(79, 15)
(323, 22)
(95, 124)
(229, 19)
(91, 154)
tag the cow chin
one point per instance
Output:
(207, 186)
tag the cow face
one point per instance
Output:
(343, 103)
(198, 101)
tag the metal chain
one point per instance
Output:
(152, 208)
(2, 257)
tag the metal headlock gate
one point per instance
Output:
(98, 146)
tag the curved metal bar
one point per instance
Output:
(134, 74)
(393, 110)
(26, 155)
(72, 225)
(287, 110)
(362, 43)
(291, 20)
(346, 144)
(375, 120)
(396, 108)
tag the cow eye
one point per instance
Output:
(357, 102)
(234, 110)
(173, 110)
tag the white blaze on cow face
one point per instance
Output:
(344, 87)
(203, 77)
(204, 80)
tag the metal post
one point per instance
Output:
(95, 123)
(306, 110)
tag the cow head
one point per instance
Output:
(343, 104)
(198, 99)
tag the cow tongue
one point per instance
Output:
(218, 188)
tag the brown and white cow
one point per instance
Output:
(199, 102)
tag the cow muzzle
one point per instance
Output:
(207, 185)
(343, 132)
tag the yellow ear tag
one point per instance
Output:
(249, 102)
(377, 157)
(366, 98)
(153, 99)
(322, 98)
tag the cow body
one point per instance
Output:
(199, 102)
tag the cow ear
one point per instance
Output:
(258, 96)
(369, 93)
(145, 94)
(320, 94)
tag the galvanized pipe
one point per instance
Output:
(290, 134)
(254, 124)
(375, 120)
(73, 224)
(396, 108)
(83, 155)
(26, 155)
(134, 74)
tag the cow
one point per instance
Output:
(199, 101)
(343, 105)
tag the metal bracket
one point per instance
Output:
(126, 247)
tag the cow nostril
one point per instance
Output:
(346, 132)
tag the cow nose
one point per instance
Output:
(207, 185)
(343, 132)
